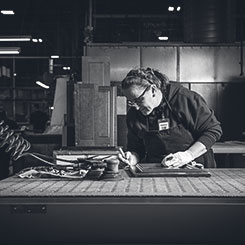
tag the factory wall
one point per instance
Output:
(186, 63)
(212, 70)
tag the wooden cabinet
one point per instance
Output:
(95, 115)
(95, 104)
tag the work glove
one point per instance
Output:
(178, 159)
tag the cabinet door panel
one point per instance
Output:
(95, 115)
(84, 114)
(106, 116)
(96, 70)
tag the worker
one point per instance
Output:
(167, 123)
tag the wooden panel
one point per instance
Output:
(96, 70)
(84, 95)
(95, 115)
(105, 128)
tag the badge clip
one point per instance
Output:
(163, 124)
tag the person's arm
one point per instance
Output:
(135, 146)
(203, 125)
(197, 149)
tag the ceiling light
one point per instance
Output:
(163, 38)
(7, 12)
(66, 68)
(42, 85)
(37, 40)
(170, 8)
(15, 38)
(55, 56)
(178, 8)
(9, 50)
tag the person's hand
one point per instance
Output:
(177, 159)
(124, 157)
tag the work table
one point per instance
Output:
(158, 210)
(222, 183)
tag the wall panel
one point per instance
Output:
(162, 58)
(227, 63)
(209, 64)
(196, 64)
(184, 63)
(122, 59)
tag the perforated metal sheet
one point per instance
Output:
(222, 183)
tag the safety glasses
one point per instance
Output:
(138, 100)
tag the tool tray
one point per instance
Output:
(156, 170)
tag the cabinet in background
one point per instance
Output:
(95, 115)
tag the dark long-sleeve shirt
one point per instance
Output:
(188, 108)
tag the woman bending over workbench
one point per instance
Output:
(167, 123)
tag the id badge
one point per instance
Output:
(163, 124)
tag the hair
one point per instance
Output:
(142, 77)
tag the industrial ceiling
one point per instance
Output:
(65, 27)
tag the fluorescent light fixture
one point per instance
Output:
(178, 8)
(170, 9)
(15, 38)
(9, 50)
(163, 38)
(37, 40)
(55, 56)
(42, 85)
(7, 12)
(66, 68)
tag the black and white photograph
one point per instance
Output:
(122, 122)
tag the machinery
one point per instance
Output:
(92, 166)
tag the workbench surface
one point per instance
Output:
(163, 210)
(222, 183)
